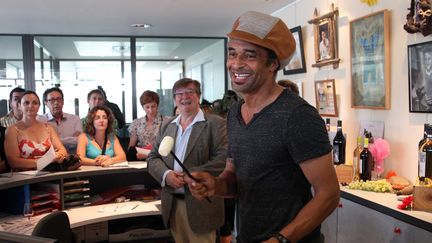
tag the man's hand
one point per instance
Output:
(203, 187)
(175, 179)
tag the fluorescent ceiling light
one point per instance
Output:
(117, 49)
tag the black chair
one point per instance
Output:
(55, 225)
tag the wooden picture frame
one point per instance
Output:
(297, 63)
(325, 96)
(420, 77)
(325, 36)
(370, 61)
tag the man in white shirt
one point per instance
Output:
(200, 144)
(68, 126)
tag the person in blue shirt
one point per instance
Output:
(98, 145)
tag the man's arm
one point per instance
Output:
(322, 176)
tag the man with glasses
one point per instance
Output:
(15, 113)
(68, 126)
(200, 143)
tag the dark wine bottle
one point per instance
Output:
(423, 140)
(425, 159)
(328, 124)
(339, 145)
(366, 162)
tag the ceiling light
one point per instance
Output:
(143, 26)
(176, 57)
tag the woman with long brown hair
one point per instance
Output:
(98, 145)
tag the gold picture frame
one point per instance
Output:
(325, 36)
(370, 61)
(325, 96)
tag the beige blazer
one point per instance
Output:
(206, 151)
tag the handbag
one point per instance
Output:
(71, 162)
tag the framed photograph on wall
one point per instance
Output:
(297, 63)
(370, 61)
(420, 77)
(325, 36)
(325, 96)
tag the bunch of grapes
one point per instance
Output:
(374, 186)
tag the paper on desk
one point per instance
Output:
(41, 163)
(127, 207)
(121, 164)
(33, 172)
(142, 150)
(138, 164)
(46, 159)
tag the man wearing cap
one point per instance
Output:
(277, 143)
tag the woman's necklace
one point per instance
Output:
(99, 142)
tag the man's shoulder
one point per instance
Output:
(71, 116)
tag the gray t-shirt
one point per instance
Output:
(267, 152)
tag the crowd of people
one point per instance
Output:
(253, 156)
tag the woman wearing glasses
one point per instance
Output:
(28, 140)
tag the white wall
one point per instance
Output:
(215, 54)
(403, 129)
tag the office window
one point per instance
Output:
(11, 68)
(79, 64)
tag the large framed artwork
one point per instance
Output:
(297, 63)
(325, 96)
(420, 77)
(370, 61)
(325, 36)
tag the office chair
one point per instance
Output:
(55, 226)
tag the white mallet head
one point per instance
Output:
(166, 145)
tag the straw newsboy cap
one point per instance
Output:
(266, 31)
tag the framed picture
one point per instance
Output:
(297, 63)
(300, 87)
(420, 77)
(419, 18)
(370, 61)
(325, 36)
(325, 95)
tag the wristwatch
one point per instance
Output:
(281, 238)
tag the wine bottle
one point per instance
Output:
(366, 162)
(339, 145)
(356, 159)
(425, 159)
(423, 140)
(328, 124)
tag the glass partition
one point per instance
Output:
(80, 64)
(11, 68)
